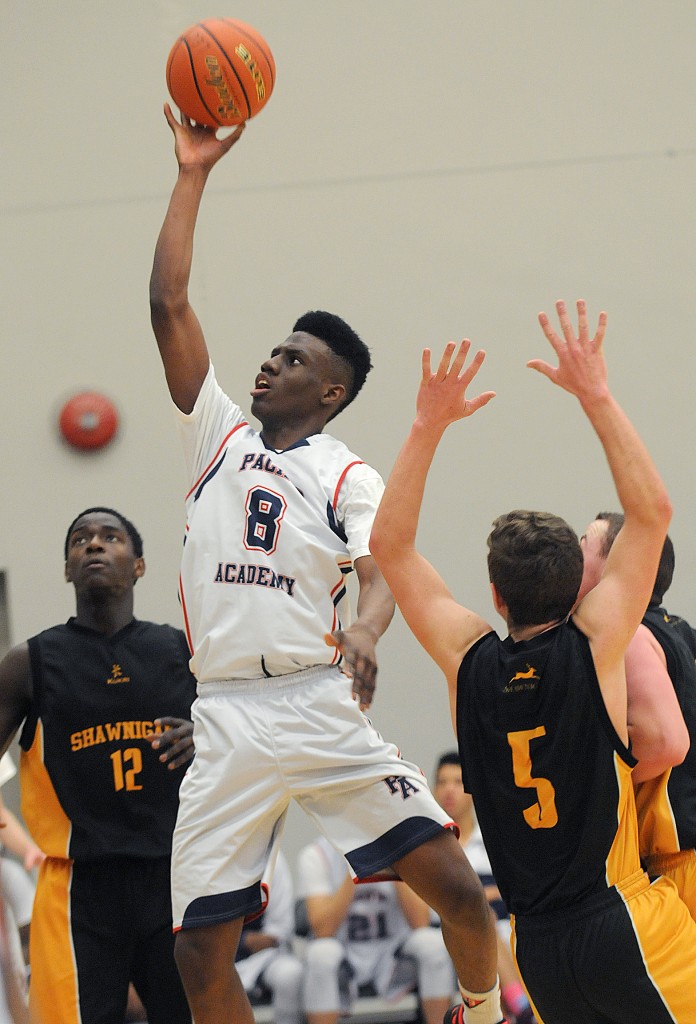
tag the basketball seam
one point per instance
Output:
(194, 76)
(256, 42)
(231, 65)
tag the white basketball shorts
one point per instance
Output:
(259, 744)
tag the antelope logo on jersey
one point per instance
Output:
(117, 675)
(398, 784)
(523, 680)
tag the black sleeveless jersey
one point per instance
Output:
(667, 805)
(550, 777)
(91, 785)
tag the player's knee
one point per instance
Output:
(427, 947)
(465, 902)
(323, 956)
(433, 964)
(323, 976)
(285, 978)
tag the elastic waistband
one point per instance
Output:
(658, 863)
(630, 886)
(267, 684)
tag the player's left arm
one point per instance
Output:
(175, 742)
(358, 642)
(659, 737)
(444, 628)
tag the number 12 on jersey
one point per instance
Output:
(126, 778)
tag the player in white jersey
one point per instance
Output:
(274, 521)
(270, 538)
(369, 939)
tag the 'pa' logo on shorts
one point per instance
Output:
(398, 784)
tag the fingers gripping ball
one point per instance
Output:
(220, 72)
(88, 420)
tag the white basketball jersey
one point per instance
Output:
(270, 538)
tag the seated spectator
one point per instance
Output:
(449, 792)
(267, 966)
(368, 939)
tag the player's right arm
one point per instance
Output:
(326, 913)
(611, 613)
(15, 692)
(326, 904)
(415, 910)
(177, 330)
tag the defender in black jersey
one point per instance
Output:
(666, 795)
(541, 716)
(105, 700)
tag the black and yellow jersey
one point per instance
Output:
(550, 777)
(91, 784)
(667, 804)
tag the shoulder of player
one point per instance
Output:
(341, 468)
(162, 631)
(214, 406)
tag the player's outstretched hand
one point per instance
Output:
(195, 145)
(357, 645)
(442, 395)
(175, 742)
(581, 367)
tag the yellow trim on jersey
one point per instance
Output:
(658, 829)
(623, 860)
(53, 992)
(664, 931)
(681, 868)
(43, 814)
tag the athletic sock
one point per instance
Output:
(482, 1007)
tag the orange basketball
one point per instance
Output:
(220, 72)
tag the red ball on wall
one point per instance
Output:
(88, 420)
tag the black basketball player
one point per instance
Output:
(105, 701)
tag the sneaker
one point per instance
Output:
(455, 1015)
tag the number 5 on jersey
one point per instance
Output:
(543, 813)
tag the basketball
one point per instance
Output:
(220, 72)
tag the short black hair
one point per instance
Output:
(136, 539)
(343, 342)
(450, 757)
(665, 568)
